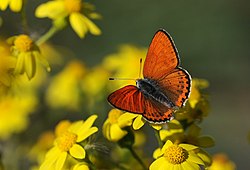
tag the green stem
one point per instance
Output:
(137, 158)
(24, 21)
(47, 35)
(157, 135)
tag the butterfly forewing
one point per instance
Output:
(162, 56)
(128, 98)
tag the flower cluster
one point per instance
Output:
(45, 92)
(70, 141)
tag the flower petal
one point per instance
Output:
(138, 122)
(42, 60)
(86, 134)
(77, 151)
(205, 157)
(50, 159)
(90, 121)
(19, 69)
(188, 147)
(166, 145)
(85, 130)
(177, 167)
(160, 164)
(81, 127)
(78, 24)
(74, 127)
(81, 166)
(51, 9)
(126, 119)
(30, 64)
(61, 160)
(116, 133)
(156, 126)
(190, 165)
(157, 153)
(4, 4)
(15, 5)
(192, 157)
(92, 27)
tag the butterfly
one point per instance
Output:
(164, 88)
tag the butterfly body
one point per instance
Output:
(165, 87)
(152, 91)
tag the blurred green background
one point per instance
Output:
(212, 38)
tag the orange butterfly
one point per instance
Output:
(165, 86)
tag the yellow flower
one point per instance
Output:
(197, 105)
(15, 5)
(73, 9)
(174, 131)
(14, 114)
(137, 121)
(81, 166)
(7, 66)
(222, 162)
(65, 88)
(27, 54)
(112, 127)
(43, 144)
(68, 142)
(173, 156)
(197, 85)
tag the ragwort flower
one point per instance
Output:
(7, 66)
(15, 5)
(137, 121)
(65, 87)
(175, 132)
(222, 162)
(68, 142)
(113, 126)
(74, 9)
(197, 105)
(173, 156)
(27, 54)
(14, 113)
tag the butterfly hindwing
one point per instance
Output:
(176, 86)
(128, 98)
(156, 112)
(162, 56)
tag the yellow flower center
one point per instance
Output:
(175, 154)
(66, 141)
(114, 115)
(73, 5)
(23, 43)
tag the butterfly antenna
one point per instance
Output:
(140, 67)
(112, 78)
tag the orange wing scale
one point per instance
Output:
(176, 86)
(162, 56)
(156, 112)
(128, 98)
